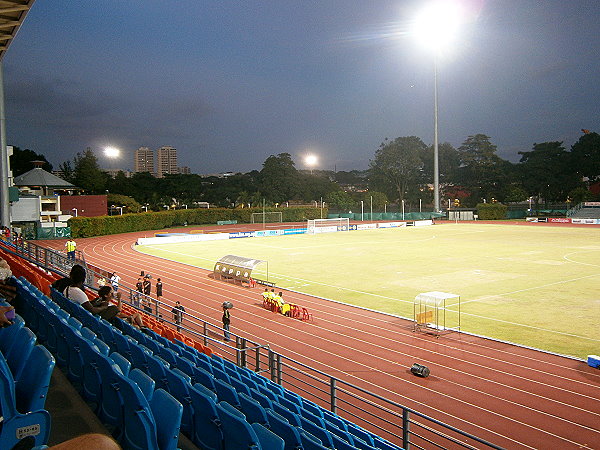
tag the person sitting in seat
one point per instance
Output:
(106, 295)
(280, 302)
(75, 293)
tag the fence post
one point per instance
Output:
(405, 429)
(205, 333)
(333, 399)
(243, 352)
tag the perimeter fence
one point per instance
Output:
(393, 421)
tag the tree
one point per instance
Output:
(21, 161)
(279, 180)
(129, 204)
(340, 200)
(585, 156)
(546, 173)
(87, 173)
(397, 166)
(481, 171)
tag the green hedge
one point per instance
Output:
(492, 211)
(103, 225)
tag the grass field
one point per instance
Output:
(534, 285)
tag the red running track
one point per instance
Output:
(511, 396)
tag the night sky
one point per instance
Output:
(229, 83)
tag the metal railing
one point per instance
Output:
(389, 419)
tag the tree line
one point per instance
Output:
(401, 171)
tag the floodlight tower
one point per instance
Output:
(436, 26)
(311, 161)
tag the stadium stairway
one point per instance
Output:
(145, 389)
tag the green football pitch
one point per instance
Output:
(537, 286)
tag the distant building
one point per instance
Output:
(144, 160)
(114, 172)
(185, 170)
(166, 161)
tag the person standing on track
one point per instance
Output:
(178, 311)
(114, 281)
(70, 246)
(159, 294)
(226, 319)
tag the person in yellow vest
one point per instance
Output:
(266, 297)
(70, 246)
(279, 300)
(285, 307)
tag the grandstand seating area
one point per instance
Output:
(148, 386)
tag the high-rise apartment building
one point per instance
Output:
(144, 160)
(166, 161)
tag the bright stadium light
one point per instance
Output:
(311, 161)
(436, 27)
(112, 152)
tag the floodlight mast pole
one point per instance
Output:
(436, 165)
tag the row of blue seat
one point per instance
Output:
(250, 393)
(140, 416)
(25, 372)
(190, 375)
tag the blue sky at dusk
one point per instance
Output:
(229, 83)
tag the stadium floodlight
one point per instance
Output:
(436, 27)
(112, 152)
(311, 161)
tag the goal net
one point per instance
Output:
(314, 226)
(269, 217)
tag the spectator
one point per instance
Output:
(178, 311)
(106, 296)
(75, 293)
(61, 284)
(226, 320)
(101, 281)
(114, 281)
(70, 246)
(147, 285)
(159, 287)
(279, 301)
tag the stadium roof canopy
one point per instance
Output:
(12, 14)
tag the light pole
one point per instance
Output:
(435, 27)
(75, 209)
(311, 161)
(362, 211)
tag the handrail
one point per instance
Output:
(392, 420)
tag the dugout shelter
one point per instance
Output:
(240, 268)
(432, 313)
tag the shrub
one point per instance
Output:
(491, 211)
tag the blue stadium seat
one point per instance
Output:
(291, 416)
(205, 378)
(318, 430)
(221, 374)
(179, 386)
(240, 386)
(282, 428)
(310, 442)
(253, 410)
(269, 393)
(122, 362)
(207, 425)
(261, 398)
(19, 352)
(312, 408)
(13, 422)
(157, 371)
(139, 354)
(267, 439)
(226, 393)
(237, 432)
(292, 406)
(167, 413)
(185, 365)
(144, 382)
(360, 433)
(32, 386)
